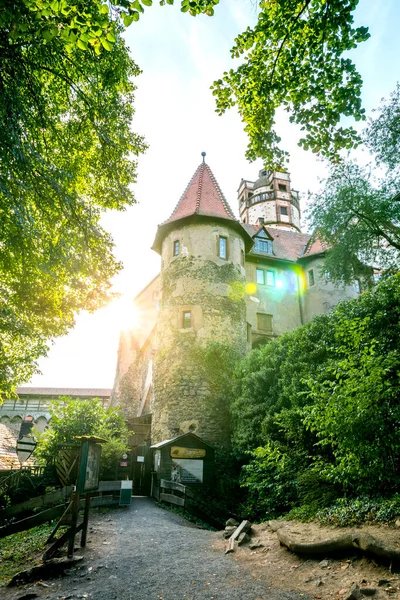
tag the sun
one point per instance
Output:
(122, 314)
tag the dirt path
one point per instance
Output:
(146, 553)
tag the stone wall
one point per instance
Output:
(212, 289)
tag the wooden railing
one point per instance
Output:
(46, 500)
(174, 492)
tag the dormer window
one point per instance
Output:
(262, 245)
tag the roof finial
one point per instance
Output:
(204, 156)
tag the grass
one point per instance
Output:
(22, 550)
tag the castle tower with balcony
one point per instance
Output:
(238, 283)
(269, 200)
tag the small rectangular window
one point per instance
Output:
(186, 319)
(223, 247)
(176, 247)
(284, 211)
(242, 257)
(249, 337)
(282, 187)
(260, 276)
(311, 278)
(264, 322)
(270, 277)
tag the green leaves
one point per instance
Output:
(357, 214)
(67, 153)
(76, 417)
(293, 59)
(69, 19)
(318, 409)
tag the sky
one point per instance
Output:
(180, 56)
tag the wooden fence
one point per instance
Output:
(175, 493)
(64, 494)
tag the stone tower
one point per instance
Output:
(269, 201)
(203, 247)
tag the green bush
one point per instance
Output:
(318, 411)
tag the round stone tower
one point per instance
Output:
(202, 246)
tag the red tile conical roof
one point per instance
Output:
(203, 196)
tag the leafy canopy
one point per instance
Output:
(295, 58)
(91, 23)
(66, 154)
(357, 214)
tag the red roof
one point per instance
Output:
(203, 196)
(8, 449)
(315, 246)
(287, 244)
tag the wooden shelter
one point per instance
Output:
(185, 459)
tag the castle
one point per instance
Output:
(238, 283)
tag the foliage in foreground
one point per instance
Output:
(296, 58)
(357, 214)
(75, 417)
(22, 550)
(320, 407)
(67, 154)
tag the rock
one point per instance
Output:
(382, 582)
(228, 532)
(243, 538)
(354, 594)
(275, 525)
(231, 523)
(48, 569)
(324, 564)
(255, 545)
(397, 523)
(319, 582)
(368, 591)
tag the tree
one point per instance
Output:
(67, 153)
(294, 58)
(318, 409)
(89, 24)
(357, 214)
(76, 417)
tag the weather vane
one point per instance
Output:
(203, 155)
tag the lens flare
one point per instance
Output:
(250, 288)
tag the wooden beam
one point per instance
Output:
(172, 499)
(28, 523)
(44, 500)
(244, 526)
(172, 485)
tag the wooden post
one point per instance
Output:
(85, 520)
(75, 513)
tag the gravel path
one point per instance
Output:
(147, 553)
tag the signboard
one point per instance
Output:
(25, 447)
(180, 452)
(186, 470)
(89, 467)
(125, 495)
